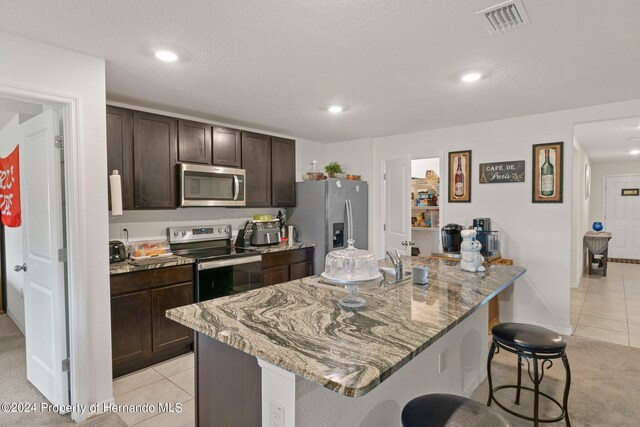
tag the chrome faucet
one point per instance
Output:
(397, 264)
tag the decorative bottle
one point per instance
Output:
(458, 188)
(546, 176)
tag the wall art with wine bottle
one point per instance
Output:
(547, 173)
(460, 176)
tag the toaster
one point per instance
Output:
(260, 233)
(117, 251)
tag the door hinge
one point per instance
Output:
(384, 227)
(384, 176)
(66, 365)
(59, 142)
(62, 255)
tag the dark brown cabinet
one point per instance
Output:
(278, 267)
(256, 160)
(154, 160)
(194, 142)
(130, 326)
(141, 334)
(227, 147)
(120, 151)
(283, 172)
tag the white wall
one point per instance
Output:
(13, 239)
(536, 236)
(580, 214)
(599, 170)
(40, 68)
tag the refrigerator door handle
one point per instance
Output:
(349, 220)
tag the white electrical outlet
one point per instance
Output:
(276, 414)
(442, 362)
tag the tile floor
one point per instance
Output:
(608, 308)
(168, 382)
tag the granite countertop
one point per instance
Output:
(300, 327)
(282, 247)
(149, 264)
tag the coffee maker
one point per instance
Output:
(451, 238)
(487, 238)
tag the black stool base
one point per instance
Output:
(523, 416)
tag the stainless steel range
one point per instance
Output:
(221, 268)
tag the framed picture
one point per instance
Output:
(547, 173)
(587, 181)
(460, 176)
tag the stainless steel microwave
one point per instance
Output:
(211, 186)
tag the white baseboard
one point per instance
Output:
(562, 330)
(79, 417)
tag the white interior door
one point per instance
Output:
(44, 285)
(622, 217)
(397, 203)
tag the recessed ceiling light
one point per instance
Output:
(471, 77)
(335, 109)
(165, 55)
(634, 152)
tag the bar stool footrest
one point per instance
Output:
(525, 417)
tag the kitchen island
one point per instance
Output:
(290, 351)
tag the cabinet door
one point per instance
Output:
(194, 142)
(166, 332)
(273, 276)
(227, 147)
(154, 151)
(300, 270)
(283, 172)
(130, 327)
(256, 160)
(120, 151)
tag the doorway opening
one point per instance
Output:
(605, 294)
(426, 188)
(34, 270)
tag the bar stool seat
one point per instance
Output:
(448, 410)
(528, 337)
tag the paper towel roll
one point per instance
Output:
(116, 193)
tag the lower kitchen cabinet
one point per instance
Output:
(141, 335)
(279, 267)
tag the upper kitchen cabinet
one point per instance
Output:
(194, 142)
(227, 147)
(283, 172)
(154, 160)
(120, 151)
(256, 160)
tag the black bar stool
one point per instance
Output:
(448, 410)
(533, 344)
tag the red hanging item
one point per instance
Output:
(10, 189)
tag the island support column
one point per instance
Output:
(278, 396)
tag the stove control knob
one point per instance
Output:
(220, 230)
(227, 230)
(175, 234)
(184, 233)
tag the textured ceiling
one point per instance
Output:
(274, 64)
(610, 140)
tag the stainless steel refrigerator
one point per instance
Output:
(328, 212)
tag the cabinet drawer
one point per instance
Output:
(279, 259)
(274, 276)
(139, 280)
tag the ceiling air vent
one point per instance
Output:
(505, 16)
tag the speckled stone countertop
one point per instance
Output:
(300, 327)
(149, 264)
(282, 247)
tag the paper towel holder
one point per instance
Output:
(115, 183)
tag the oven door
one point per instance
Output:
(221, 278)
(211, 186)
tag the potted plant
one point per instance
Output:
(333, 169)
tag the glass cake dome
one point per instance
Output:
(351, 267)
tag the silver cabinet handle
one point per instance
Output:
(19, 268)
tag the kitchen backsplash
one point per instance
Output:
(153, 224)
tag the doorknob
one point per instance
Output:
(407, 243)
(19, 268)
